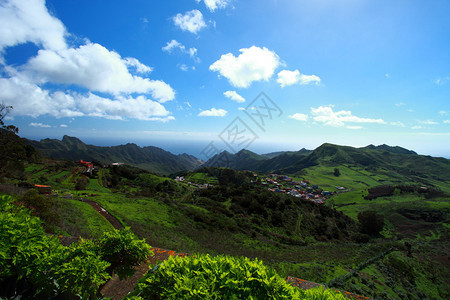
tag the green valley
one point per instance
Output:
(221, 211)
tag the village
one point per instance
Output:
(283, 184)
(300, 189)
(276, 183)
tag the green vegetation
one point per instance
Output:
(239, 216)
(220, 277)
(34, 264)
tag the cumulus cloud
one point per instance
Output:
(287, 77)
(326, 115)
(253, 64)
(299, 117)
(96, 68)
(191, 21)
(212, 5)
(233, 95)
(24, 21)
(90, 66)
(31, 100)
(140, 67)
(40, 125)
(174, 45)
(63, 126)
(213, 112)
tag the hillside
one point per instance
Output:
(396, 160)
(247, 160)
(148, 158)
(242, 213)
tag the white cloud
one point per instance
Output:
(91, 66)
(417, 127)
(175, 45)
(253, 64)
(398, 123)
(241, 108)
(140, 67)
(184, 67)
(63, 126)
(287, 77)
(24, 21)
(29, 99)
(213, 113)
(95, 68)
(299, 117)
(309, 79)
(446, 121)
(400, 104)
(428, 122)
(443, 112)
(193, 53)
(139, 108)
(212, 5)
(354, 127)
(233, 95)
(40, 125)
(326, 115)
(191, 21)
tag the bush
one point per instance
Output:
(123, 251)
(35, 265)
(81, 183)
(220, 277)
(371, 222)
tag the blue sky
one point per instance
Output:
(180, 74)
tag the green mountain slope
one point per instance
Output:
(396, 161)
(149, 158)
(247, 160)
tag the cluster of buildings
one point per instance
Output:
(300, 189)
(200, 186)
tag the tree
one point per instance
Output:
(5, 110)
(336, 173)
(371, 222)
(81, 183)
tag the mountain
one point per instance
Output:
(149, 158)
(247, 160)
(396, 159)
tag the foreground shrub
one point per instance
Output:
(123, 251)
(36, 265)
(220, 277)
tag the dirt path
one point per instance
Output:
(113, 220)
(117, 289)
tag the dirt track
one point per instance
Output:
(118, 289)
(113, 220)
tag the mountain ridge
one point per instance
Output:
(391, 158)
(150, 158)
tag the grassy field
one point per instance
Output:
(80, 219)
